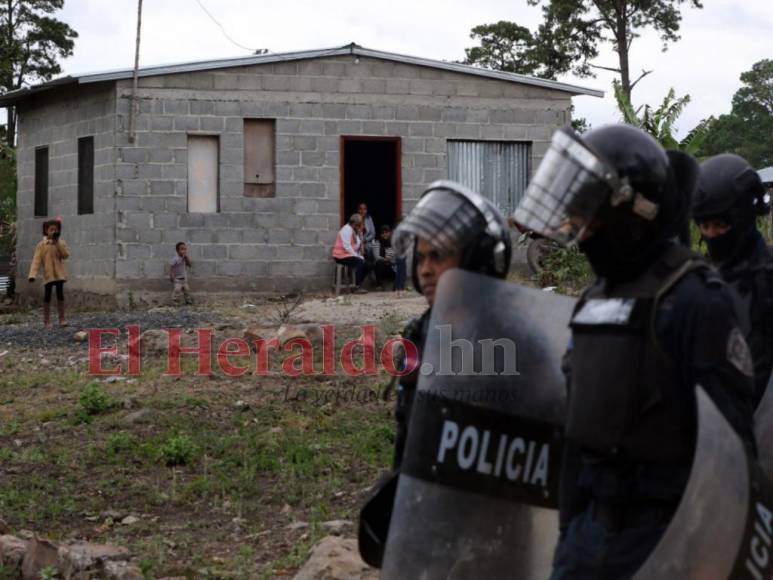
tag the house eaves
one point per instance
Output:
(14, 97)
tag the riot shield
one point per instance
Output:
(477, 495)
(723, 526)
(763, 430)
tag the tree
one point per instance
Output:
(31, 43)
(660, 122)
(747, 129)
(572, 31)
(509, 47)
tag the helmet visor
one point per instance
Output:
(567, 190)
(445, 220)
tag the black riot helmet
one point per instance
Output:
(617, 183)
(453, 218)
(729, 190)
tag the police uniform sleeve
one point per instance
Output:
(714, 353)
(414, 332)
(572, 499)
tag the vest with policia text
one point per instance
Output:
(626, 398)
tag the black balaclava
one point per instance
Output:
(731, 191)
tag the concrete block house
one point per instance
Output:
(256, 162)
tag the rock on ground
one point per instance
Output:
(27, 558)
(336, 558)
(12, 550)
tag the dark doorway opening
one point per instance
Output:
(370, 173)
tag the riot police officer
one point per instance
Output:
(656, 323)
(450, 227)
(729, 197)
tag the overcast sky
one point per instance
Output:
(718, 43)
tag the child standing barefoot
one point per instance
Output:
(50, 253)
(178, 273)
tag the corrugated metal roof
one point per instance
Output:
(16, 96)
(766, 175)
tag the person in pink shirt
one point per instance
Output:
(348, 250)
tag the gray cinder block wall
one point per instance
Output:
(58, 122)
(252, 244)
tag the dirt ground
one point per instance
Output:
(200, 475)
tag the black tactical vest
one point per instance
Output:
(753, 302)
(626, 398)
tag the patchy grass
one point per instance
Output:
(215, 484)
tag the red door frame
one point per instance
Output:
(398, 172)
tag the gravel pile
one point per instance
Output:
(33, 334)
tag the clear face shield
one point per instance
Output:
(570, 186)
(442, 218)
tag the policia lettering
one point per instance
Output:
(512, 458)
(474, 444)
(759, 545)
(755, 556)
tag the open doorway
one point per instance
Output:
(370, 173)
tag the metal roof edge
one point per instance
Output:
(157, 70)
(488, 73)
(352, 48)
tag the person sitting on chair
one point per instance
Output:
(348, 250)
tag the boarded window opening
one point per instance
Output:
(203, 177)
(259, 158)
(85, 175)
(41, 182)
(498, 170)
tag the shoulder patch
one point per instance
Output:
(605, 311)
(738, 353)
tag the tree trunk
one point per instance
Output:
(10, 129)
(621, 36)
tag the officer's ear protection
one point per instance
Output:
(480, 252)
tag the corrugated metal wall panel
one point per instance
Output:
(498, 170)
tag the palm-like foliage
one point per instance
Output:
(660, 122)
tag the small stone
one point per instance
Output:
(114, 379)
(122, 571)
(81, 556)
(129, 520)
(287, 333)
(130, 403)
(141, 416)
(335, 527)
(242, 406)
(154, 341)
(336, 557)
(297, 526)
(80, 336)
